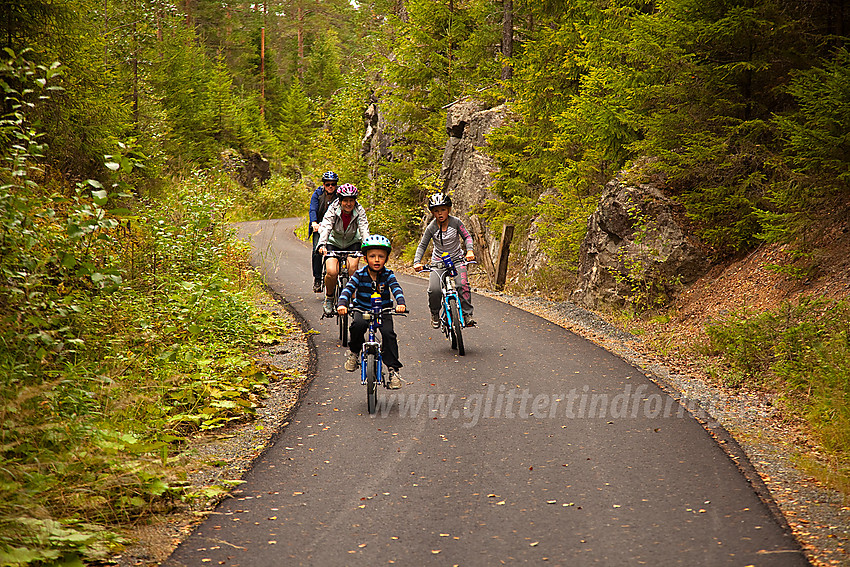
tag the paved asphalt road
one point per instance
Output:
(535, 446)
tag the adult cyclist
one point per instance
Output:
(322, 198)
(344, 227)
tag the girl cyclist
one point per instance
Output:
(449, 236)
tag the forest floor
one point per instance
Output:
(776, 447)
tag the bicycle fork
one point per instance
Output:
(371, 347)
(449, 292)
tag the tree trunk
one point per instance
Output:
(507, 38)
(263, 69)
(300, 42)
(135, 75)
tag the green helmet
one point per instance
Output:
(376, 241)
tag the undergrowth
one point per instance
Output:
(802, 351)
(124, 326)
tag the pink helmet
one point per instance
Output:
(346, 190)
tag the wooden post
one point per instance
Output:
(504, 250)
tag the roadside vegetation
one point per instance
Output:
(800, 350)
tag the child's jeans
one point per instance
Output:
(435, 294)
(389, 341)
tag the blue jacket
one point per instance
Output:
(318, 206)
(361, 286)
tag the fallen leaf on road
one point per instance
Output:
(534, 543)
(436, 551)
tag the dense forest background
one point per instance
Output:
(126, 312)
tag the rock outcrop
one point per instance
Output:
(375, 142)
(467, 172)
(635, 251)
(246, 167)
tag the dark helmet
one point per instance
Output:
(330, 176)
(439, 199)
(376, 241)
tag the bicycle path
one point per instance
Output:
(535, 446)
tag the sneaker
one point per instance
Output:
(317, 286)
(328, 306)
(469, 322)
(395, 380)
(435, 320)
(353, 362)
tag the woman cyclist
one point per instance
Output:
(344, 227)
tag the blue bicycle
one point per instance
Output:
(451, 315)
(371, 363)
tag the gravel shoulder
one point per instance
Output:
(745, 424)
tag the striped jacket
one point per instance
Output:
(361, 286)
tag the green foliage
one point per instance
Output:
(599, 85)
(323, 76)
(394, 210)
(802, 351)
(93, 412)
(816, 135)
(277, 198)
(122, 328)
(816, 155)
(295, 128)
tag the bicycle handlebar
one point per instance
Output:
(431, 267)
(384, 311)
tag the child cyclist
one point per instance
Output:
(449, 236)
(374, 277)
(322, 198)
(344, 227)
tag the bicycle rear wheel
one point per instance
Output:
(371, 383)
(457, 328)
(342, 319)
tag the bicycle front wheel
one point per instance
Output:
(457, 328)
(342, 319)
(371, 383)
